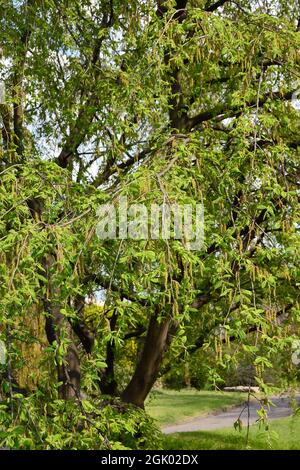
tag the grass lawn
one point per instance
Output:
(170, 406)
(283, 434)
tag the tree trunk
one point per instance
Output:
(157, 341)
(107, 382)
(69, 371)
(69, 375)
(78, 325)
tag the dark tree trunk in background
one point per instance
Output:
(107, 382)
(69, 372)
(79, 327)
(157, 341)
(69, 375)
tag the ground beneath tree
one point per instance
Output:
(224, 419)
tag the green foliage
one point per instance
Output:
(193, 372)
(68, 425)
(159, 104)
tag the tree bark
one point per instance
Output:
(107, 382)
(157, 342)
(68, 373)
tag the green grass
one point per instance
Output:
(283, 434)
(170, 406)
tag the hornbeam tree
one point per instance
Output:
(162, 102)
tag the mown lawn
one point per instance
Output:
(283, 434)
(170, 406)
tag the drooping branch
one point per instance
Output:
(223, 111)
(200, 341)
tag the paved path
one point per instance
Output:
(226, 419)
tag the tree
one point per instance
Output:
(180, 102)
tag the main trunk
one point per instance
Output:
(146, 372)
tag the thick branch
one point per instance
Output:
(224, 110)
(215, 6)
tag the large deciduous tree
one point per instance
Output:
(184, 102)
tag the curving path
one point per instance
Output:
(226, 418)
